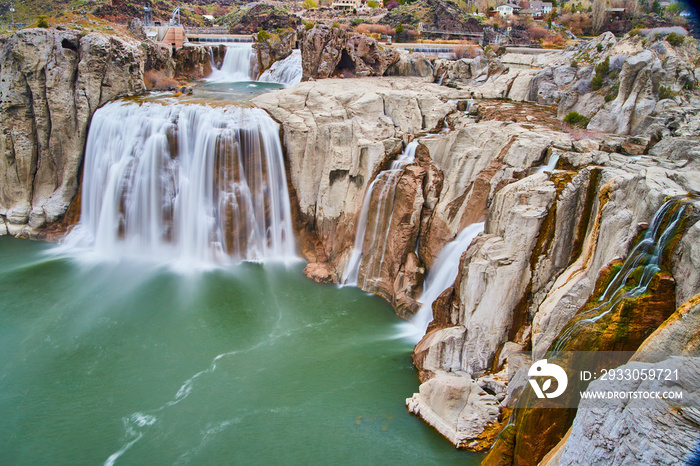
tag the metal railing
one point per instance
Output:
(479, 35)
(207, 30)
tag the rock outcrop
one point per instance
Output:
(331, 51)
(277, 46)
(359, 129)
(51, 83)
(263, 16)
(645, 431)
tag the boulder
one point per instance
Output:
(455, 406)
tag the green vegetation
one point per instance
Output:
(42, 22)
(399, 29)
(599, 47)
(335, 24)
(308, 4)
(308, 25)
(576, 119)
(612, 94)
(666, 93)
(262, 36)
(372, 4)
(675, 39)
(601, 71)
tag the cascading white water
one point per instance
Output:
(190, 183)
(287, 72)
(386, 197)
(551, 164)
(238, 64)
(637, 271)
(441, 276)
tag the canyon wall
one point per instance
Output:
(550, 236)
(51, 82)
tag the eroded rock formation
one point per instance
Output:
(331, 51)
(51, 83)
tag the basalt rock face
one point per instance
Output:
(547, 238)
(51, 83)
(266, 17)
(195, 62)
(331, 51)
(277, 46)
(338, 138)
(639, 431)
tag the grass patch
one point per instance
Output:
(576, 120)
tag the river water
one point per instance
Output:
(132, 363)
(117, 348)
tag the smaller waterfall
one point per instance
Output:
(390, 178)
(551, 164)
(642, 263)
(287, 72)
(441, 276)
(238, 64)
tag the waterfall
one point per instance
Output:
(286, 72)
(187, 182)
(642, 263)
(238, 64)
(389, 179)
(551, 164)
(441, 276)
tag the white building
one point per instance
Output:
(538, 6)
(347, 4)
(507, 10)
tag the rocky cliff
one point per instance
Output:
(51, 82)
(552, 237)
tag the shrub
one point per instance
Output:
(42, 23)
(612, 94)
(308, 25)
(675, 39)
(262, 36)
(602, 68)
(574, 64)
(366, 28)
(575, 119)
(335, 24)
(634, 32)
(596, 82)
(666, 93)
(392, 5)
(599, 47)
(356, 22)
(372, 4)
(399, 29)
(537, 33)
(553, 42)
(308, 4)
(466, 51)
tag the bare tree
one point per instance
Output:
(598, 19)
